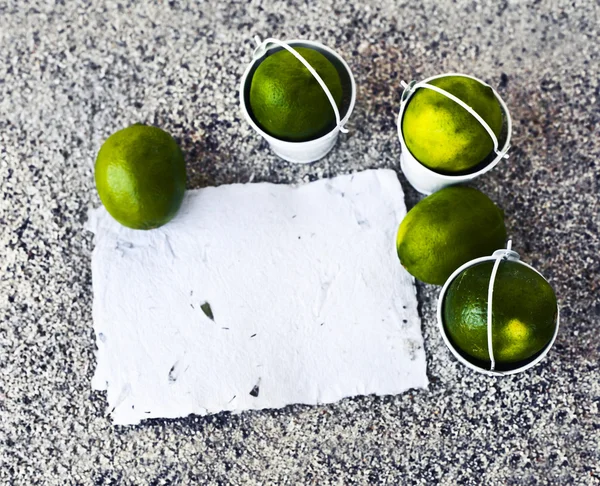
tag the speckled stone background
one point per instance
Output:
(71, 73)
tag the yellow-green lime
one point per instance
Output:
(140, 176)
(524, 312)
(447, 229)
(441, 134)
(286, 99)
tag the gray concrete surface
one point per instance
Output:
(71, 73)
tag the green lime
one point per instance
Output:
(446, 230)
(524, 312)
(286, 99)
(140, 176)
(441, 134)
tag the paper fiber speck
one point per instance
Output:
(256, 296)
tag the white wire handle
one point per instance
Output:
(414, 86)
(500, 255)
(261, 49)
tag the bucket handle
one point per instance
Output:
(504, 254)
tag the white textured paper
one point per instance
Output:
(310, 303)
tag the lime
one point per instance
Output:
(447, 229)
(524, 312)
(441, 134)
(286, 99)
(140, 176)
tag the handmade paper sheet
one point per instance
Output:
(256, 296)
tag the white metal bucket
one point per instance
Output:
(427, 181)
(510, 256)
(311, 150)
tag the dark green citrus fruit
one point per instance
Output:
(140, 176)
(288, 102)
(446, 230)
(524, 312)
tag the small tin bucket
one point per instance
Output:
(427, 181)
(311, 150)
(498, 256)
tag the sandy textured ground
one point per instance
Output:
(71, 73)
